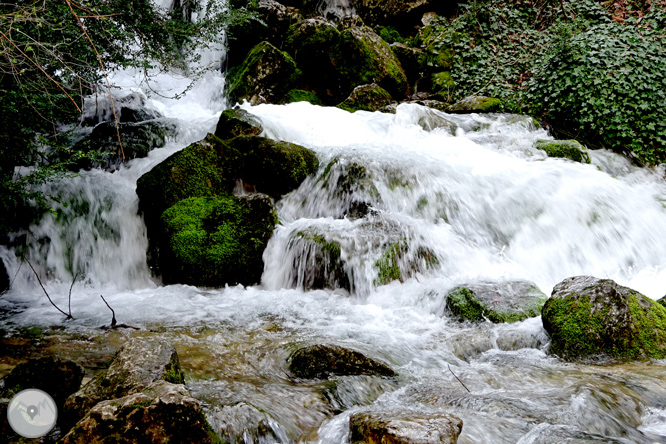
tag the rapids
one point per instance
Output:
(485, 201)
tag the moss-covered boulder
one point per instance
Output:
(319, 264)
(265, 76)
(213, 241)
(161, 412)
(59, 378)
(503, 301)
(400, 262)
(237, 122)
(324, 361)
(301, 95)
(139, 363)
(366, 98)
(363, 57)
(588, 317)
(384, 427)
(567, 149)
(476, 104)
(137, 139)
(352, 185)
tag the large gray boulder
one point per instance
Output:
(588, 317)
(139, 363)
(404, 428)
(161, 413)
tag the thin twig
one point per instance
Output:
(113, 313)
(564, 11)
(70, 291)
(454, 375)
(69, 316)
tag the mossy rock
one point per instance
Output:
(301, 95)
(398, 263)
(212, 241)
(499, 302)
(391, 427)
(59, 378)
(322, 260)
(265, 76)
(366, 98)
(662, 301)
(567, 149)
(476, 104)
(323, 361)
(411, 59)
(352, 185)
(588, 317)
(237, 122)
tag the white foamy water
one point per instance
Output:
(485, 202)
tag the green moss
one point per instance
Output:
(395, 265)
(464, 304)
(442, 81)
(366, 98)
(490, 105)
(219, 240)
(390, 35)
(300, 95)
(568, 149)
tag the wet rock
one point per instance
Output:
(400, 262)
(476, 104)
(431, 120)
(244, 423)
(213, 241)
(130, 108)
(301, 95)
(320, 265)
(139, 363)
(137, 139)
(508, 301)
(59, 378)
(237, 122)
(161, 412)
(323, 361)
(404, 428)
(265, 76)
(588, 317)
(367, 98)
(271, 24)
(4, 278)
(568, 149)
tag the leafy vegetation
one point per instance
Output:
(593, 71)
(56, 52)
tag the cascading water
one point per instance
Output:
(480, 204)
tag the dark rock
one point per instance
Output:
(212, 241)
(400, 262)
(301, 95)
(139, 363)
(4, 278)
(161, 412)
(476, 104)
(138, 139)
(404, 428)
(320, 265)
(508, 301)
(411, 60)
(662, 301)
(568, 149)
(265, 76)
(129, 109)
(276, 18)
(237, 122)
(367, 98)
(56, 377)
(242, 422)
(322, 362)
(352, 186)
(588, 317)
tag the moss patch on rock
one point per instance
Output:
(568, 149)
(237, 122)
(323, 361)
(476, 104)
(217, 240)
(366, 98)
(499, 302)
(588, 317)
(398, 263)
(301, 95)
(324, 267)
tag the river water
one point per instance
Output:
(487, 204)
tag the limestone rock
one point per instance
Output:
(568, 149)
(476, 104)
(161, 412)
(237, 122)
(367, 98)
(265, 76)
(323, 361)
(404, 428)
(508, 301)
(139, 363)
(588, 317)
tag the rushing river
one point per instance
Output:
(486, 202)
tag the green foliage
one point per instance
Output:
(585, 74)
(391, 35)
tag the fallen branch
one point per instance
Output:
(114, 324)
(70, 291)
(454, 375)
(69, 315)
